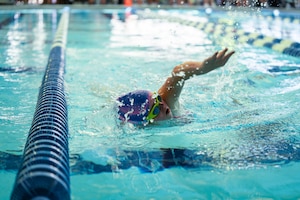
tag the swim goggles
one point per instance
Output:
(155, 108)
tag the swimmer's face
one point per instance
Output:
(164, 111)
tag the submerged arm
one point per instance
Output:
(171, 89)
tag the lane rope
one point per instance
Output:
(44, 171)
(223, 28)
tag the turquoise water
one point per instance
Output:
(239, 127)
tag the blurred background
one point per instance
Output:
(285, 4)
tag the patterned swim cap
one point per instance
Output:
(134, 106)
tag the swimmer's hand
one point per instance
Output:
(217, 60)
(191, 68)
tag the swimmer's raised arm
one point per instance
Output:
(171, 89)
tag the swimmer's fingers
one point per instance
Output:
(223, 56)
(214, 56)
(222, 53)
(227, 56)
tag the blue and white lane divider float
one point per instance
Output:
(44, 172)
(219, 29)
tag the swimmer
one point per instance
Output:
(142, 107)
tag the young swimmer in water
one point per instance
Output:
(142, 107)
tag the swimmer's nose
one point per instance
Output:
(167, 111)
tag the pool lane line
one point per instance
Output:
(217, 30)
(10, 19)
(160, 159)
(44, 171)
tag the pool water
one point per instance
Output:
(237, 136)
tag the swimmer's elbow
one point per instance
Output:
(179, 73)
(187, 70)
(177, 69)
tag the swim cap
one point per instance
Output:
(134, 106)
